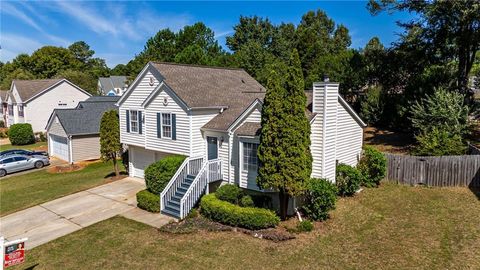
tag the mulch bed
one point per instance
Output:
(66, 168)
(199, 223)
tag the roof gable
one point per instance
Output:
(30, 89)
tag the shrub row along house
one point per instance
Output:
(32, 101)
(74, 134)
(212, 116)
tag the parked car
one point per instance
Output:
(23, 152)
(15, 163)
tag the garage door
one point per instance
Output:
(59, 147)
(141, 158)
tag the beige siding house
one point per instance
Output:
(74, 134)
(212, 116)
(32, 101)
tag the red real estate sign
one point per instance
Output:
(14, 254)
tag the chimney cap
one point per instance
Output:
(326, 78)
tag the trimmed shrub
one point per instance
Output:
(348, 179)
(40, 136)
(230, 193)
(305, 226)
(2, 124)
(234, 215)
(21, 134)
(3, 134)
(320, 198)
(246, 201)
(158, 174)
(148, 201)
(373, 166)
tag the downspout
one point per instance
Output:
(324, 128)
(230, 147)
(70, 154)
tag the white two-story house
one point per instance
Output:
(212, 116)
(33, 101)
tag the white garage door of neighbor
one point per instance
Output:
(141, 158)
(59, 147)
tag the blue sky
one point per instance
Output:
(118, 30)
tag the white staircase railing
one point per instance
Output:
(211, 171)
(190, 165)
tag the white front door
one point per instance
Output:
(59, 147)
(141, 158)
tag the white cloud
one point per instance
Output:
(223, 33)
(13, 44)
(8, 8)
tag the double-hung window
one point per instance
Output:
(134, 121)
(20, 110)
(10, 109)
(167, 125)
(250, 160)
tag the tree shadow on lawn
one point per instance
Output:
(122, 174)
(474, 185)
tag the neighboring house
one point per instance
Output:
(32, 101)
(74, 134)
(212, 116)
(3, 106)
(112, 86)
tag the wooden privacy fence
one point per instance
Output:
(443, 171)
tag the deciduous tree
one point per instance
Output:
(110, 146)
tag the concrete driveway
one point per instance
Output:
(50, 220)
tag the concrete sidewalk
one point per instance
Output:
(50, 220)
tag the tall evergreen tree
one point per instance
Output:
(284, 151)
(110, 146)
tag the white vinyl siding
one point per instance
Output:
(181, 145)
(134, 102)
(85, 148)
(198, 140)
(330, 133)
(254, 116)
(316, 148)
(349, 137)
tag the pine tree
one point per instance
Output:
(284, 151)
(110, 146)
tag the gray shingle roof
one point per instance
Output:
(203, 86)
(249, 129)
(112, 82)
(29, 88)
(85, 119)
(3, 95)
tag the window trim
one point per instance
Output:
(248, 166)
(163, 125)
(20, 110)
(134, 112)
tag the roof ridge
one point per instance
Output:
(52, 79)
(194, 65)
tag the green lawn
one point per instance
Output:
(391, 227)
(4, 147)
(22, 191)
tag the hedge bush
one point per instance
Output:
(21, 134)
(373, 166)
(158, 174)
(247, 201)
(148, 201)
(348, 179)
(320, 198)
(230, 214)
(230, 193)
